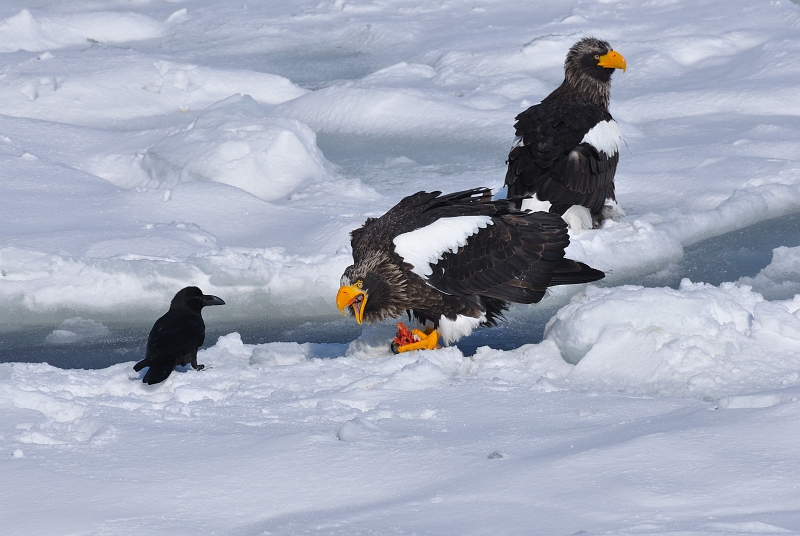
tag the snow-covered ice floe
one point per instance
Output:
(116, 122)
(150, 145)
(297, 435)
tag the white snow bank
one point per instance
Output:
(236, 373)
(121, 88)
(780, 280)
(698, 340)
(333, 435)
(257, 282)
(234, 142)
(23, 31)
(652, 242)
(723, 343)
(386, 111)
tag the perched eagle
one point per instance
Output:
(453, 262)
(567, 146)
(176, 336)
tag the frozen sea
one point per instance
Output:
(147, 145)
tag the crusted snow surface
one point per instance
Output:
(674, 421)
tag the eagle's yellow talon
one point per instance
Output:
(424, 342)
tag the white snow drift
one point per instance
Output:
(235, 143)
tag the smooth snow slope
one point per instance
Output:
(147, 145)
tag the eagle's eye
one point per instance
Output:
(597, 56)
(360, 284)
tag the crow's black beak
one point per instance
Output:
(211, 300)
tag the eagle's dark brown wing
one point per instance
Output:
(514, 259)
(551, 161)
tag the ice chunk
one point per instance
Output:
(279, 353)
(750, 401)
(77, 329)
(24, 32)
(234, 142)
(780, 280)
(375, 341)
(355, 429)
(698, 340)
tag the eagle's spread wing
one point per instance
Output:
(474, 246)
(513, 259)
(551, 160)
(414, 212)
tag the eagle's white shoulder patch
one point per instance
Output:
(426, 245)
(604, 137)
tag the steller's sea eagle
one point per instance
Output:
(453, 262)
(567, 146)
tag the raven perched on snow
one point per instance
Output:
(176, 336)
(567, 147)
(455, 261)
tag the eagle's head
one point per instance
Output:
(588, 68)
(373, 290)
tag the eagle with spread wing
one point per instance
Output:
(453, 262)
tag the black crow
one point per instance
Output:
(176, 336)
(455, 261)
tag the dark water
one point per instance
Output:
(311, 69)
(741, 253)
(724, 258)
(127, 343)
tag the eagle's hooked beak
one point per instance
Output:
(612, 60)
(353, 296)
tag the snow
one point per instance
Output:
(697, 339)
(353, 444)
(232, 142)
(150, 145)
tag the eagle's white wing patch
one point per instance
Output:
(604, 137)
(426, 245)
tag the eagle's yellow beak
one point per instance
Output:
(612, 60)
(352, 296)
